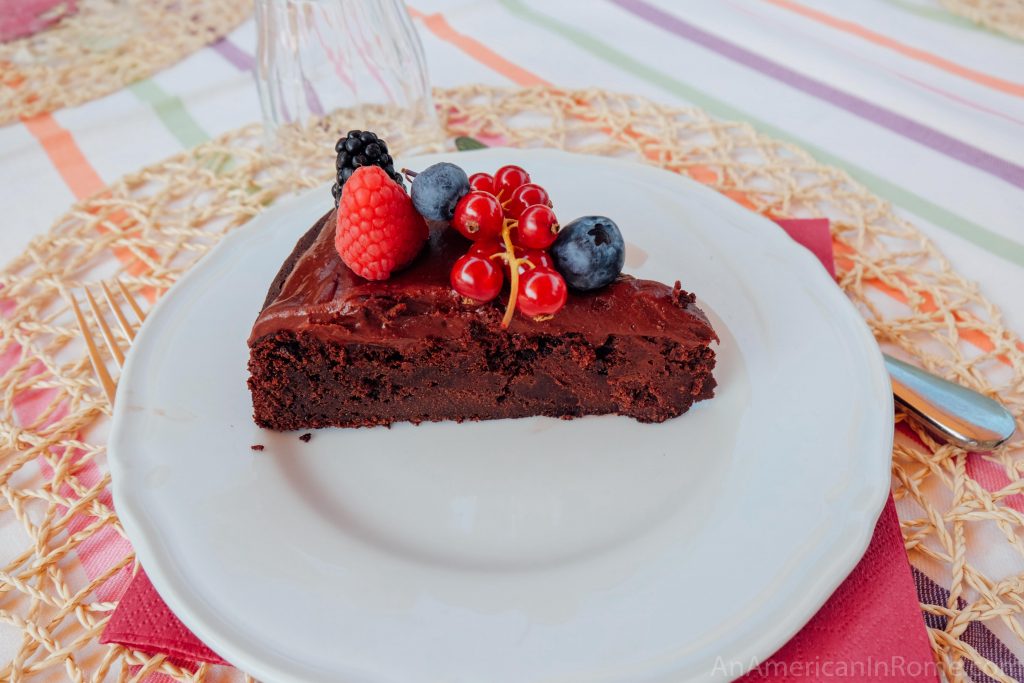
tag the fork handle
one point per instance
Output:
(955, 413)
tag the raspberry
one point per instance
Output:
(378, 229)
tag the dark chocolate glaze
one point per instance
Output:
(316, 293)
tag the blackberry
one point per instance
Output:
(362, 148)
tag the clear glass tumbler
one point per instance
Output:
(354, 60)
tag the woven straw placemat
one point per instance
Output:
(103, 47)
(1005, 16)
(151, 226)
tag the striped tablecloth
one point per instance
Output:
(922, 107)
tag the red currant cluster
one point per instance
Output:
(511, 223)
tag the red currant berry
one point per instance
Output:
(508, 178)
(478, 216)
(477, 278)
(542, 291)
(525, 196)
(484, 182)
(537, 227)
(536, 257)
(487, 248)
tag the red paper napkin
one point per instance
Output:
(871, 629)
(143, 622)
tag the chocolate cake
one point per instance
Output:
(332, 349)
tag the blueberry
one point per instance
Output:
(437, 189)
(589, 252)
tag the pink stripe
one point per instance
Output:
(106, 547)
(991, 476)
(962, 100)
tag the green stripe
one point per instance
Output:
(171, 111)
(946, 17)
(972, 232)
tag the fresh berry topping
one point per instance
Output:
(478, 216)
(508, 178)
(525, 196)
(537, 227)
(511, 223)
(357, 149)
(437, 190)
(542, 291)
(482, 181)
(527, 258)
(488, 248)
(534, 258)
(378, 229)
(477, 278)
(589, 252)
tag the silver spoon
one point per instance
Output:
(954, 413)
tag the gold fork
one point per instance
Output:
(127, 329)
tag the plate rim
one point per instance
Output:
(150, 553)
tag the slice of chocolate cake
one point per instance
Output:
(330, 348)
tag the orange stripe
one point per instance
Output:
(65, 155)
(10, 76)
(440, 27)
(965, 328)
(83, 180)
(920, 55)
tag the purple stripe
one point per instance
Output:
(242, 60)
(977, 635)
(312, 101)
(929, 137)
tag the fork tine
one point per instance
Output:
(139, 313)
(94, 353)
(108, 335)
(122, 321)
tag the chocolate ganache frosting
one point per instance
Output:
(316, 293)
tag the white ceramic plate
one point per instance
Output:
(533, 550)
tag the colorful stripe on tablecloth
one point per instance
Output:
(921, 107)
(910, 51)
(993, 242)
(901, 125)
(975, 635)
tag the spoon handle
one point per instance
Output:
(956, 414)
